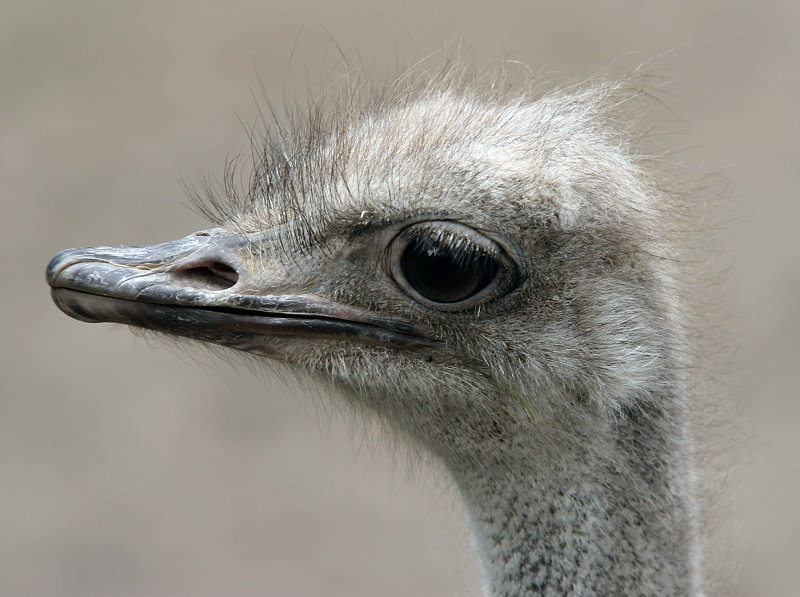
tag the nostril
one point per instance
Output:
(212, 275)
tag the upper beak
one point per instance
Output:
(188, 287)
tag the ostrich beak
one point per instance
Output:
(189, 287)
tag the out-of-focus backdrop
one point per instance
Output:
(128, 469)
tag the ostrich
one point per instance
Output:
(495, 276)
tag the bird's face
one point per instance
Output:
(459, 304)
(391, 310)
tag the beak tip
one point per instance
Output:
(57, 265)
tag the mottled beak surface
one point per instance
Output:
(200, 287)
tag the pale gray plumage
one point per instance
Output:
(557, 394)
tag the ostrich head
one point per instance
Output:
(492, 276)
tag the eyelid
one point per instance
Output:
(462, 240)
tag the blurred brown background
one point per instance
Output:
(127, 470)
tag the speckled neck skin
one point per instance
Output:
(578, 525)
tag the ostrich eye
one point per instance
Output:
(447, 265)
(442, 275)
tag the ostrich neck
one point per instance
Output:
(616, 518)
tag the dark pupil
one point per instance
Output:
(444, 277)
